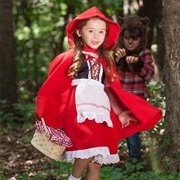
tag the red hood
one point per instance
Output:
(114, 28)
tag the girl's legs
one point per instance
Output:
(93, 171)
(79, 166)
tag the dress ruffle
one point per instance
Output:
(101, 155)
(98, 118)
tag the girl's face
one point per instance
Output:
(131, 42)
(93, 33)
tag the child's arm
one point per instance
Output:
(147, 71)
(123, 116)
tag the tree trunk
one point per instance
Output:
(171, 24)
(7, 59)
(153, 10)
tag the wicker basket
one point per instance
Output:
(41, 142)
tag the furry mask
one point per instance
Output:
(135, 25)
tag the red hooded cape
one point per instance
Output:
(49, 102)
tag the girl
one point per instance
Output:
(83, 96)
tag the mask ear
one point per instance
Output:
(120, 20)
(78, 33)
(145, 21)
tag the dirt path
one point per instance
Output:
(18, 156)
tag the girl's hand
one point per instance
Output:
(120, 53)
(125, 118)
(131, 59)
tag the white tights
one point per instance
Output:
(73, 178)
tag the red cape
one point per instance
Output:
(49, 99)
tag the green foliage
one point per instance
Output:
(1, 173)
(40, 35)
(157, 98)
(132, 171)
(24, 177)
(63, 167)
(165, 143)
(134, 166)
(39, 26)
(157, 93)
(109, 172)
(18, 113)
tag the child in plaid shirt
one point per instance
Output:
(135, 66)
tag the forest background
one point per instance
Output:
(32, 33)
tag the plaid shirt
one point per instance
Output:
(136, 82)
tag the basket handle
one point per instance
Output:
(44, 125)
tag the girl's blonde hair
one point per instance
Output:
(78, 56)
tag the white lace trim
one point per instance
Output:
(109, 159)
(91, 101)
(101, 155)
(98, 117)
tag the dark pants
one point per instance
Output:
(134, 145)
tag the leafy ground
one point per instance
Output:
(18, 156)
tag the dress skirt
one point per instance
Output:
(88, 124)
